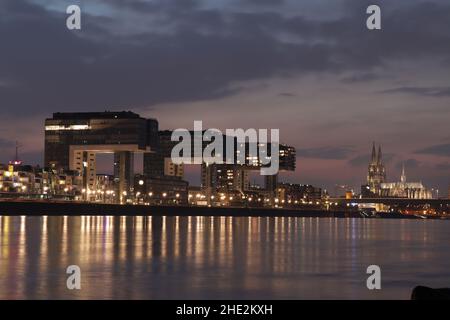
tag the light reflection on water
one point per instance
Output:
(219, 257)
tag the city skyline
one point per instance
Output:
(152, 166)
(312, 70)
(225, 157)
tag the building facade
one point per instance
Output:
(404, 189)
(377, 186)
(25, 181)
(72, 141)
(376, 172)
(292, 194)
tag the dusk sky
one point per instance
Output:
(310, 68)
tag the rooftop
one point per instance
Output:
(95, 115)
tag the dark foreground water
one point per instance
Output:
(220, 258)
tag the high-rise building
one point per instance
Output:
(225, 178)
(160, 163)
(163, 182)
(72, 141)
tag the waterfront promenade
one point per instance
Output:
(53, 208)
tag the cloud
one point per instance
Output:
(287, 94)
(359, 77)
(444, 166)
(326, 153)
(181, 51)
(6, 143)
(148, 55)
(421, 91)
(360, 160)
(408, 163)
(364, 159)
(438, 150)
(262, 2)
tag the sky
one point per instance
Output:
(309, 68)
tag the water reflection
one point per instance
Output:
(218, 257)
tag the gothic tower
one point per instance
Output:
(377, 172)
(403, 176)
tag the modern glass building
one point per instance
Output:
(72, 141)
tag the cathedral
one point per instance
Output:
(377, 172)
(403, 189)
(378, 187)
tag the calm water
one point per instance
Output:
(219, 258)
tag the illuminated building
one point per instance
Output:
(196, 196)
(404, 189)
(16, 179)
(162, 179)
(72, 141)
(225, 177)
(234, 177)
(378, 187)
(376, 172)
(163, 190)
(159, 163)
(229, 177)
(35, 182)
(104, 189)
(291, 194)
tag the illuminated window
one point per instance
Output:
(70, 127)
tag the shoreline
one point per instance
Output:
(48, 208)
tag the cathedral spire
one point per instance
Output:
(374, 154)
(403, 176)
(377, 172)
(379, 157)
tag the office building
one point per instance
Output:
(72, 141)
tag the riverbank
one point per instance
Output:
(49, 208)
(39, 208)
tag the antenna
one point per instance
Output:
(17, 151)
(16, 160)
